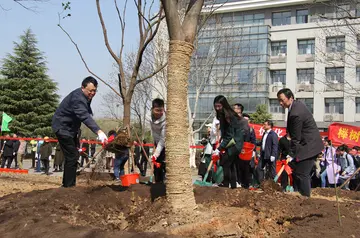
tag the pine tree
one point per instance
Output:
(260, 115)
(27, 94)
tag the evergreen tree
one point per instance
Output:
(27, 94)
(260, 115)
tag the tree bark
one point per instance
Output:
(127, 111)
(179, 187)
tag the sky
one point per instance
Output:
(64, 64)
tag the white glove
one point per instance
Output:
(272, 158)
(289, 158)
(50, 157)
(102, 137)
(80, 150)
(253, 154)
(216, 152)
(14, 153)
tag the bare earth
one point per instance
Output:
(36, 206)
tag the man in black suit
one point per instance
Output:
(72, 111)
(305, 143)
(268, 153)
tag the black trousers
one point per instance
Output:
(265, 170)
(301, 175)
(68, 145)
(159, 173)
(33, 159)
(243, 172)
(143, 165)
(46, 164)
(229, 167)
(7, 159)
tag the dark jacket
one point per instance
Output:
(305, 136)
(284, 147)
(74, 109)
(271, 146)
(232, 130)
(8, 148)
(45, 151)
(16, 145)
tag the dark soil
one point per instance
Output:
(141, 211)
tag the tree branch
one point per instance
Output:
(172, 20)
(152, 74)
(83, 60)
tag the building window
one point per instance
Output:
(302, 16)
(278, 76)
(305, 76)
(281, 18)
(358, 74)
(335, 44)
(357, 105)
(275, 106)
(309, 103)
(249, 19)
(334, 105)
(278, 48)
(306, 47)
(342, 11)
(334, 75)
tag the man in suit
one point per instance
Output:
(305, 143)
(268, 153)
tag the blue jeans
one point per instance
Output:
(119, 163)
(323, 178)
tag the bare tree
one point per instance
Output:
(182, 35)
(148, 25)
(226, 48)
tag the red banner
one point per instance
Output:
(259, 131)
(344, 134)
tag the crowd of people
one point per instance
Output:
(308, 160)
(301, 152)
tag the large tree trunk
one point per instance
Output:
(127, 110)
(179, 187)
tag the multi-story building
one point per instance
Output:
(250, 49)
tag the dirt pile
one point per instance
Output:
(141, 211)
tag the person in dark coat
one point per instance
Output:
(16, 145)
(284, 150)
(143, 160)
(45, 154)
(305, 143)
(72, 111)
(232, 135)
(266, 168)
(59, 159)
(7, 152)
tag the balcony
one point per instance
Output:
(333, 117)
(305, 87)
(305, 58)
(274, 88)
(334, 86)
(280, 58)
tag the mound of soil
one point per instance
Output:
(142, 211)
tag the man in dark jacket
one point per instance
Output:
(266, 168)
(16, 145)
(305, 143)
(7, 151)
(72, 111)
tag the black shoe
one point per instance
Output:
(223, 185)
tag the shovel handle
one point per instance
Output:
(279, 173)
(207, 171)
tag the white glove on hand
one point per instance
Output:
(272, 158)
(253, 154)
(289, 158)
(102, 137)
(50, 157)
(216, 152)
(80, 150)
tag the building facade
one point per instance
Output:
(249, 50)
